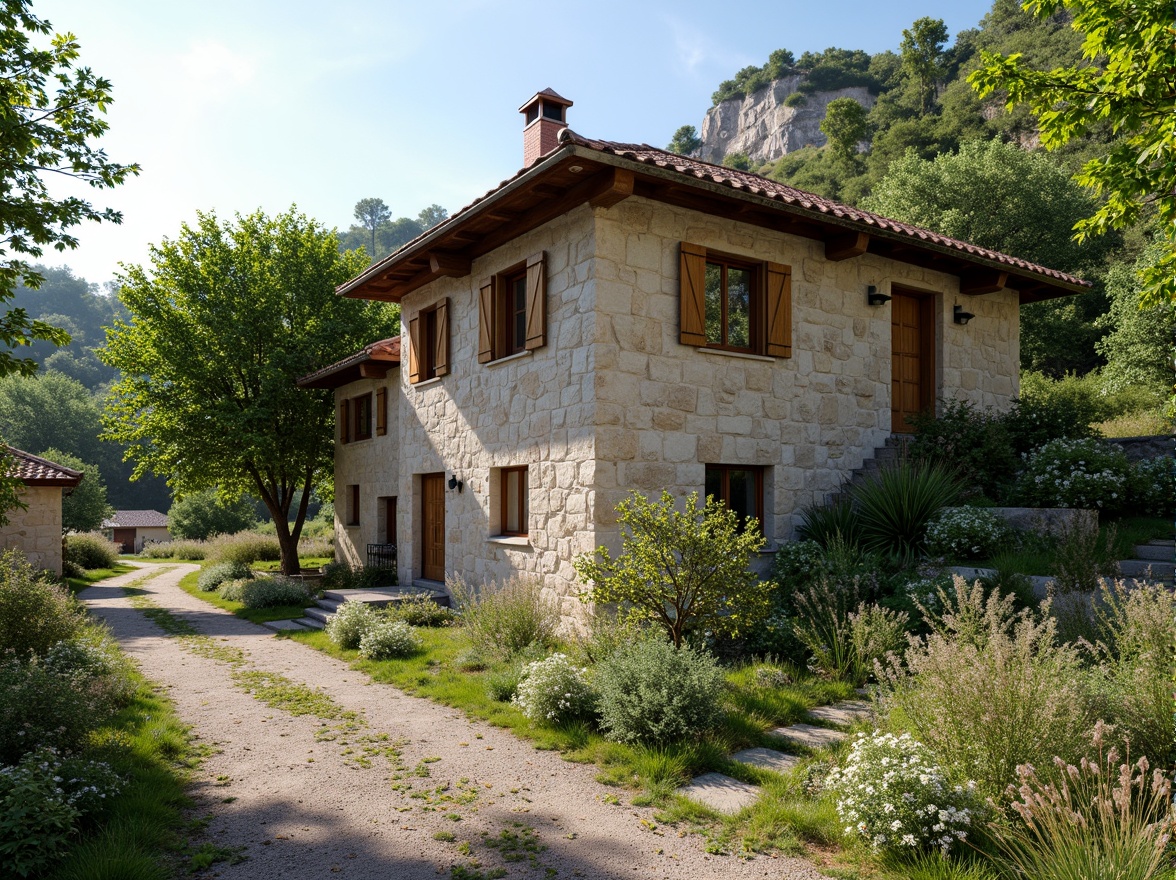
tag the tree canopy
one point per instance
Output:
(845, 125)
(224, 320)
(201, 515)
(379, 234)
(84, 507)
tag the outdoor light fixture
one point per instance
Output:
(455, 483)
(874, 298)
(962, 317)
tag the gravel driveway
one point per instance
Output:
(376, 783)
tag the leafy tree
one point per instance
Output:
(201, 515)
(53, 411)
(372, 214)
(1138, 347)
(738, 161)
(845, 125)
(685, 141)
(85, 507)
(431, 216)
(224, 321)
(1126, 81)
(684, 570)
(922, 56)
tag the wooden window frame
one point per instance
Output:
(428, 343)
(725, 490)
(361, 428)
(381, 412)
(344, 421)
(495, 310)
(770, 303)
(523, 501)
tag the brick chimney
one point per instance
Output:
(544, 115)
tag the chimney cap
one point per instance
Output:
(549, 96)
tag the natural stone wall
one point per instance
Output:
(764, 128)
(36, 531)
(373, 465)
(1141, 448)
(535, 409)
(665, 410)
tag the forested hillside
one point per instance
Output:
(931, 152)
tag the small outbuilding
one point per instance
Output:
(35, 529)
(131, 529)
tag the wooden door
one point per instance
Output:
(126, 538)
(912, 344)
(433, 527)
(390, 520)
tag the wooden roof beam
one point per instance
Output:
(846, 245)
(975, 282)
(442, 265)
(616, 186)
(370, 370)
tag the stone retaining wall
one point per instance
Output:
(1140, 448)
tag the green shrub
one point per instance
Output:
(896, 505)
(555, 691)
(875, 633)
(988, 689)
(893, 796)
(1086, 474)
(90, 551)
(422, 611)
(244, 547)
(1152, 487)
(94, 663)
(502, 684)
(215, 575)
(682, 570)
(966, 533)
(1050, 410)
(269, 592)
(974, 444)
(341, 576)
(825, 523)
(348, 624)
(201, 515)
(35, 614)
(41, 707)
(654, 693)
(176, 550)
(503, 619)
(387, 638)
(233, 590)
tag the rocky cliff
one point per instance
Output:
(764, 127)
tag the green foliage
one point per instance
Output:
(738, 161)
(245, 548)
(421, 611)
(685, 141)
(1050, 409)
(270, 592)
(379, 235)
(176, 550)
(40, 706)
(824, 523)
(685, 570)
(1152, 487)
(90, 551)
(1125, 84)
(796, 99)
(895, 506)
(966, 533)
(922, 56)
(555, 691)
(505, 619)
(213, 576)
(845, 125)
(257, 294)
(341, 576)
(654, 693)
(388, 638)
(1138, 346)
(1087, 474)
(54, 113)
(350, 621)
(35, 613)
(974, 443)
(85, 507)
(36, 817)
(201, 515)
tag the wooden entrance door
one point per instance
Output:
(912, 345)
(126, 539)
(433, 527)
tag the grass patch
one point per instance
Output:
(1040, 558)
(1146, 423)
(93, 576)
(254, 615)
(314, 563)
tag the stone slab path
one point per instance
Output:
(293, 793)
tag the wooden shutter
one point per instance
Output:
(414, 350)
(692, 294)
(536, 301)
(486, 301)
(345, 422)
(779, 309)
(441, 338)
(381, 411)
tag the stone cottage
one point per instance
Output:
(133, 529)
(35, 530)
(616, 317)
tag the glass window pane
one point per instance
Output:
(510, 488)
(714, 303)
(714, 483)
(517, 313)
(525, 496)
(743, 496)
(739, 308)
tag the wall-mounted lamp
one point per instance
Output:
(874, 298)
(960, 316)
(455, 483)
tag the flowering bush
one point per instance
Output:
(348, 625)
(270, 592)
(965, 533)
(1086, 474)
(1153, 487)
(215, 575)
(388, 638)
(554, 690)
(891, 794)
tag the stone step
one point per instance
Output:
(810, 735)
(382, 596)
(322, 615)
(766, 759)
(721, 793)
(846, 712)
(1147, 568)
(310, 622)
(331, 605)
(284, 625)
(1157, 552)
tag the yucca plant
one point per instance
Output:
(894, 507)
(827, 523)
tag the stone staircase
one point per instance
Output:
(889, 454)
(317, 615)
(1155, 560)
(725, 794)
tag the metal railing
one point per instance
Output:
(381, 556)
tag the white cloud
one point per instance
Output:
(697, 53)
(212, 68)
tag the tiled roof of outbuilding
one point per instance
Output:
(37, 471)
(136, 519)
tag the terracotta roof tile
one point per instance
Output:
(384, 351)
(34, 470)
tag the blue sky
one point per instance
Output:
(232, 106)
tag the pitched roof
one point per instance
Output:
(371, 362)
(604, 172)
(136, 519)
(37, 471)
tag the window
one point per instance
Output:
(728, 302)
(513, 488)
(353, 504)
(512, 310)
(740, 487)
(428, 343)
(362, 409)
(344, 421)
(381, 411)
